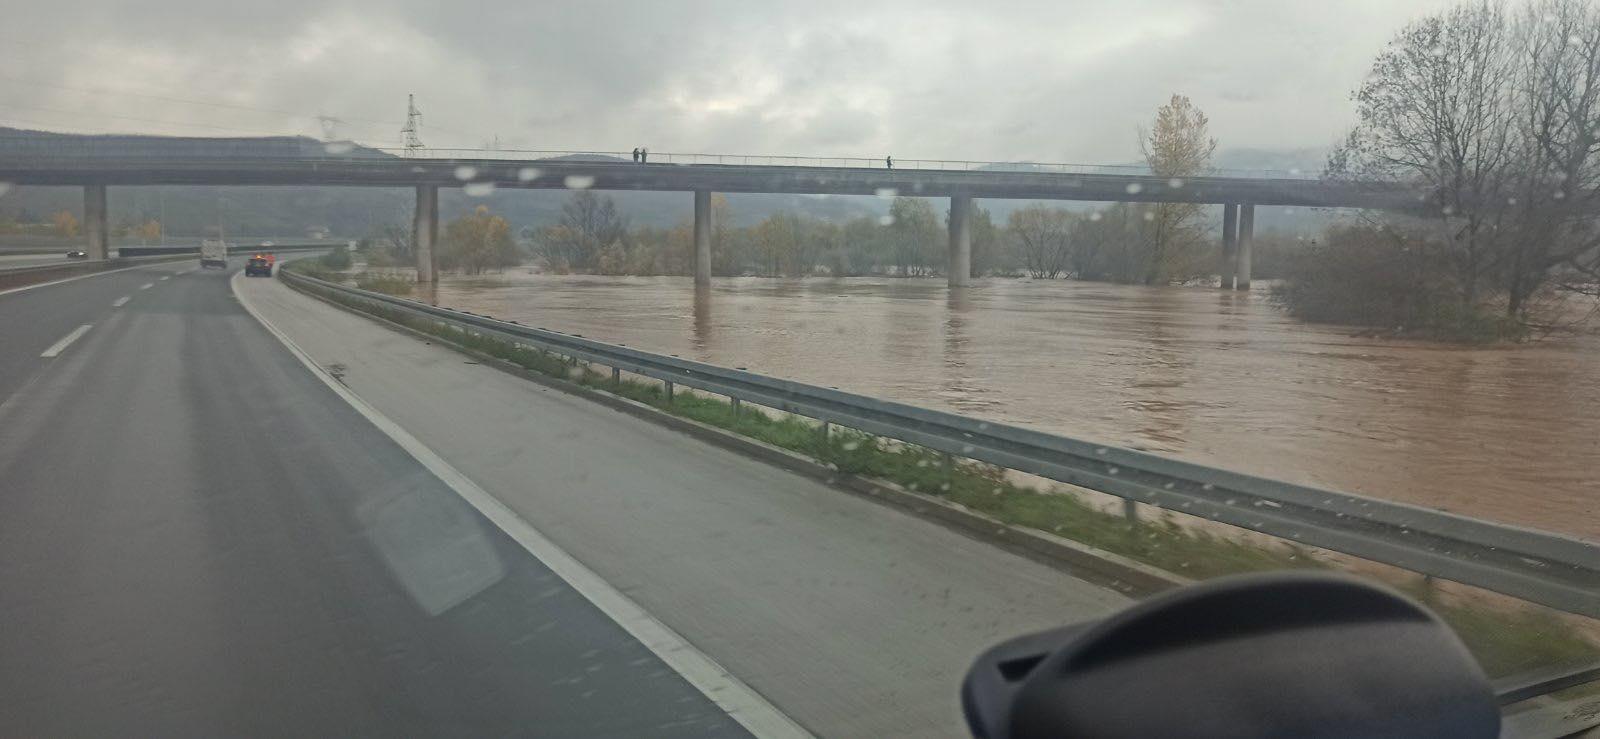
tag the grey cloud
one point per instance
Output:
(1063, 80)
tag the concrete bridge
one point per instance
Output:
(96, 164)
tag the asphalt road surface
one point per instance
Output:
(199, 538)
(852, 618)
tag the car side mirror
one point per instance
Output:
(1279, 655)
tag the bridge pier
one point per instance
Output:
(425, 231)
(959, 266)
(1230, 245)
(95, 231)
(1247, 230)
(702, 238)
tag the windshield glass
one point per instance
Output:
(717, 368)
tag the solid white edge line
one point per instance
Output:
(166, 277)
(70, 279)
(728, 692)
(119, 302)
(61, 346)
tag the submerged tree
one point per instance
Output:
(1177, 147)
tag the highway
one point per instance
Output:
(12, 261)
(852, 618)
(200, 535)
(198, 538)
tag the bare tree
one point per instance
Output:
(1557, 193)
(1041, 235)
(589, 223)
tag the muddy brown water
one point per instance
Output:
(1510, 434)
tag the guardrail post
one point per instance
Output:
(824, 431)
(1247, 229)
(95, 231)
(669, 393)
(1130, 510)
(1230, 245)
(735, 403)
(616, 377)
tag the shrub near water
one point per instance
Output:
(1390, 281)
(388, 283)
(336, 258)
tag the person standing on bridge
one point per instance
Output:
(888, 162)
(635, 155)
(644, 155)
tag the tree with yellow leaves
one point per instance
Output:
(1177, 148)
(478, 242)
(66, 224)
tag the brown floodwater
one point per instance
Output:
(1506, 433)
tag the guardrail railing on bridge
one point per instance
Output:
(770, 160)
(1548, 569)
(123, 148)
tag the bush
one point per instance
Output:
(388, 283)
(337, 258)
(1387, 280)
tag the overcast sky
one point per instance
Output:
(1047, 81)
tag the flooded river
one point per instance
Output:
(1510, 434)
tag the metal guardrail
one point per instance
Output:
(33, 274)
(1544, 568)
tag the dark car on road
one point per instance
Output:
(258, 267)
(77, 255)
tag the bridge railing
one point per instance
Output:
(1544, 568)
(768, 160)
(156, 148)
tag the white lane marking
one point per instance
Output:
(65, 341)
(119, 302)
(166, 277)
(732, 695)
(69, 279)
(147, 286)
(184, 271)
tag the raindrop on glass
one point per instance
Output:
(338, 147)
(465, 172)
(478, 189)
(1149, 215)
(527, 174)
(851, 446)
(887, 192)
(5, 187)
(1134, 188)
(1101, 450)
(1175, 183)
(1095, 216)
(578, 182)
